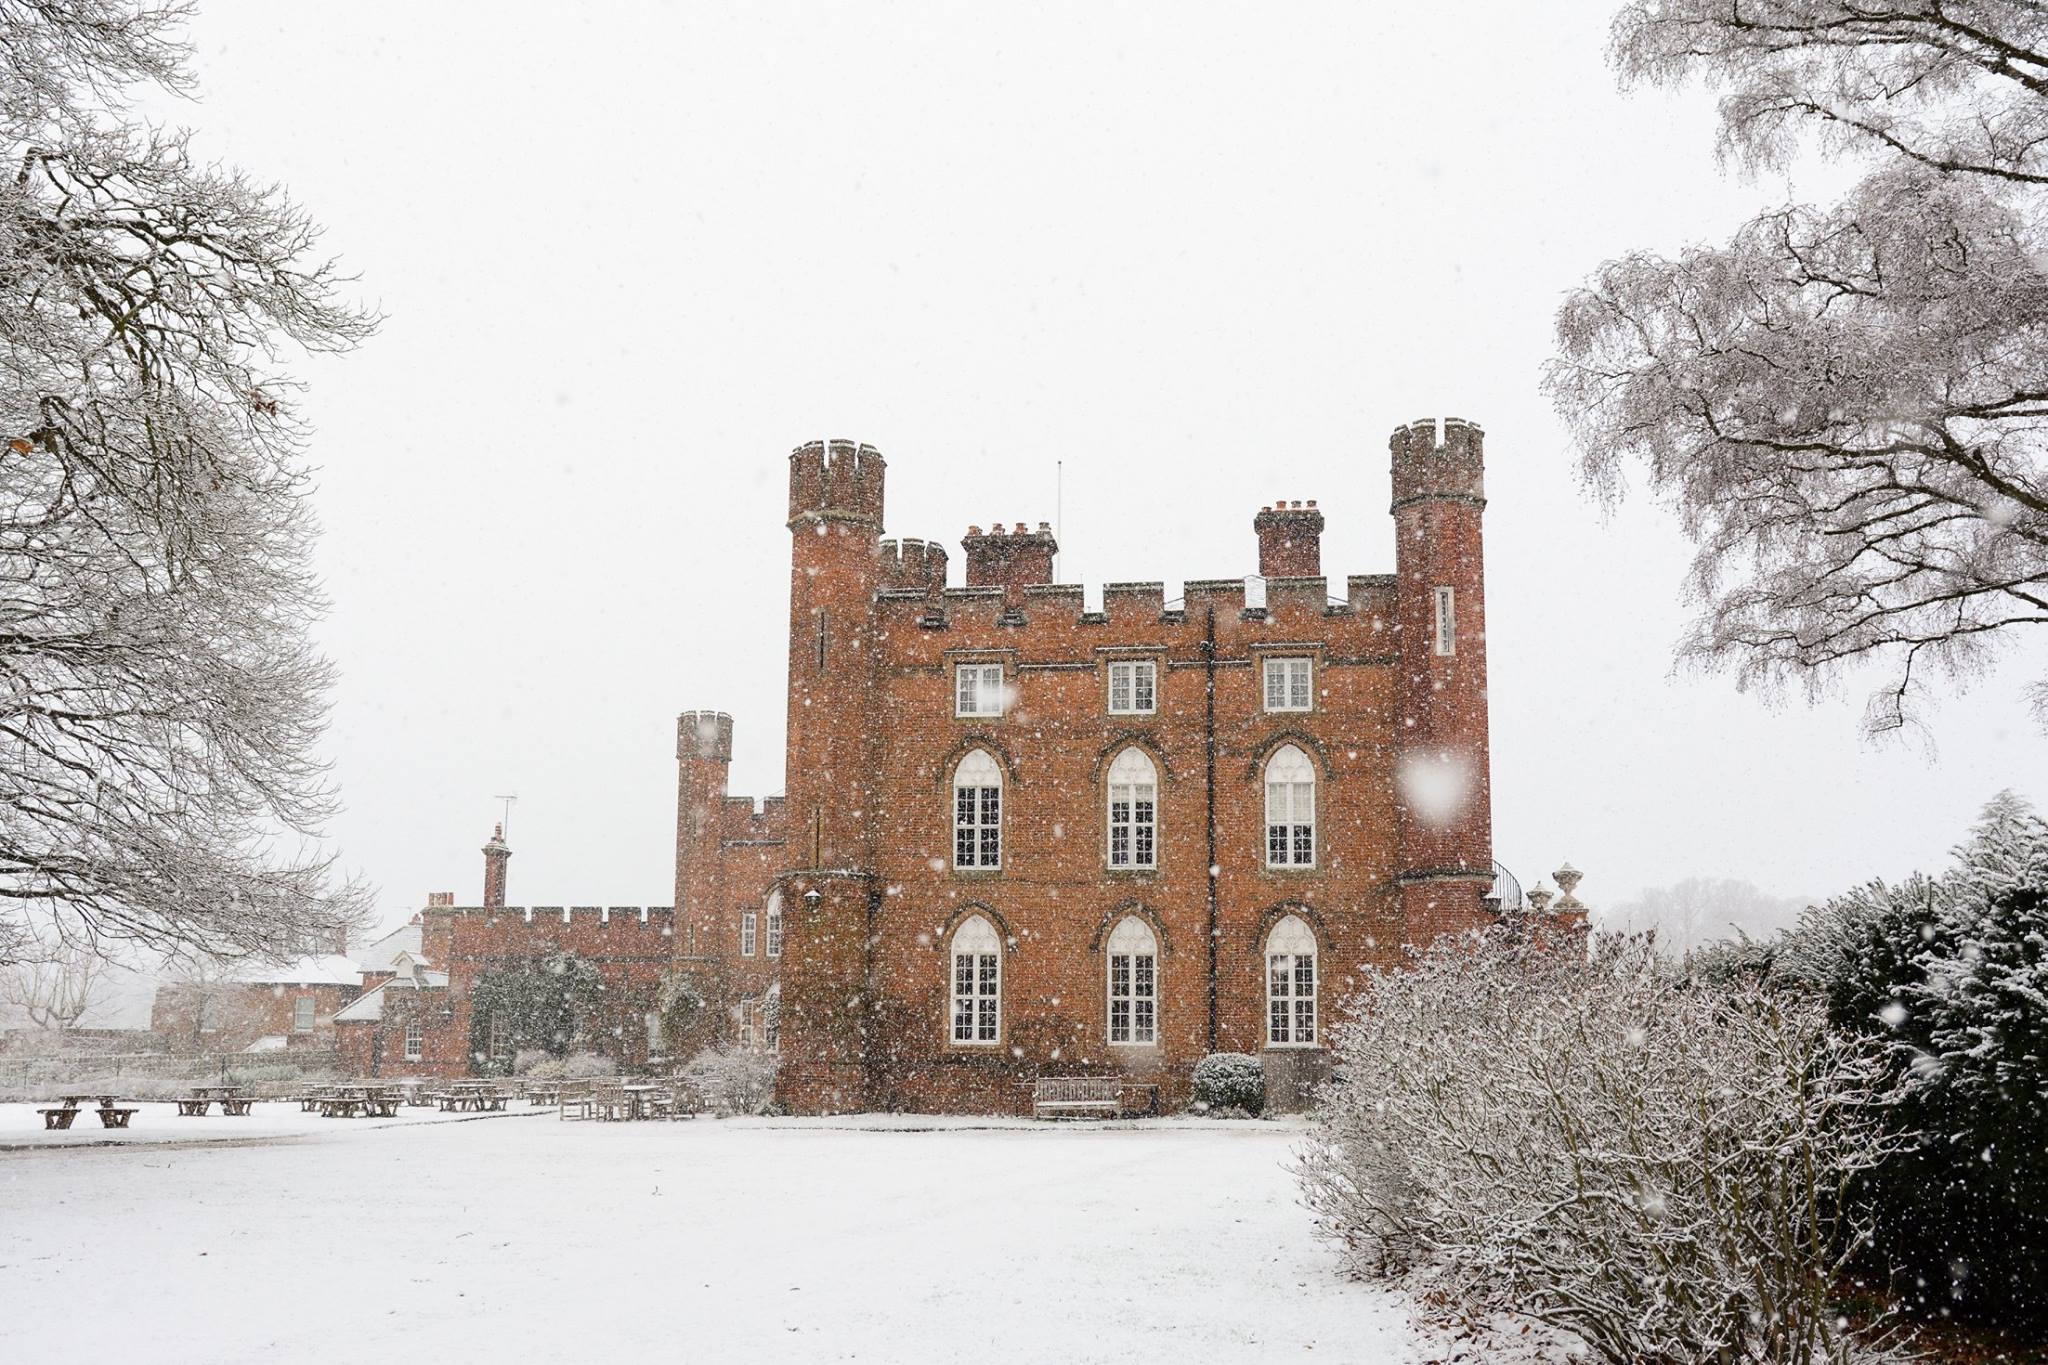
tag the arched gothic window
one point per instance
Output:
(977, 983)
(978, 811)
(1290, 809)
(1133, 811)
(1291, 984)
(1133, 983)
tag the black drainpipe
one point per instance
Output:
(1209, 787)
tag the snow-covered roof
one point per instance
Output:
(322, 969)
(377, 954)
(366, 1008)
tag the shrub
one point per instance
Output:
(548, 1003)
(1230, 1080)
(552, 1069)
(584, 1066)
(738, 1081)
(1652, 1164)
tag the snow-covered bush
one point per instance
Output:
(1654, 1165)
(1230, 1081)
(734, 1081)
(547, 1069)
(1950, 975)
(585, 1066)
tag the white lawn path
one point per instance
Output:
(524, 1238)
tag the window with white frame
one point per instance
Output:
(415, 1042)
(775, 924)
(302, 1014)
(977, 689)
(1133, 687)
(1133, 811)
(978, 812)
(749, 1011)
(750, 927)
(501, 1036)
(1290, 684)
(1446, 621)
(771, 1020)
(1290, 809)
(1133, 983)
(977, 983)
(1291, 984)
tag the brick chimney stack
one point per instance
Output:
(1290, 540)
(1010, 560)
(496, 855)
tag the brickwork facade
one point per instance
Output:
(1367, 706)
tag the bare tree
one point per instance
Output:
(160, 702)
(1845, 405)
(56, 981)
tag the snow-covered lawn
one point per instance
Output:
(524, 1238)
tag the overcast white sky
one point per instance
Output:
(1208, 255)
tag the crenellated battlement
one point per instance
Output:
(623, 917)
(1432, 464)
(836, 480)
(1126, 607)
(913, 566)
(704, 735)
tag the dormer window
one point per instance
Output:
(978, 689)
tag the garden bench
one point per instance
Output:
(1059, 1096)
(112, 1117)
(60, 1117)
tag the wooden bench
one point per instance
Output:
(383, 1106)
(235, 1106)
(193, 1106)
(60, 1117)
(1061, 1096)
(112, 1117)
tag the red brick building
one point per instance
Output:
(1021, 838)
(287, 1007)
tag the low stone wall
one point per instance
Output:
(158, 1075)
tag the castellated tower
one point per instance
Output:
(703, 763)
(1442, 776)
(831, 895)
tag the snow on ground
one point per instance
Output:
(520, 1237)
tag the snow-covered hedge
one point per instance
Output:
(1654, 1165)
(1949, 975)
(1230, 1080)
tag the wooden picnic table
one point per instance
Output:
(642, 1099)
